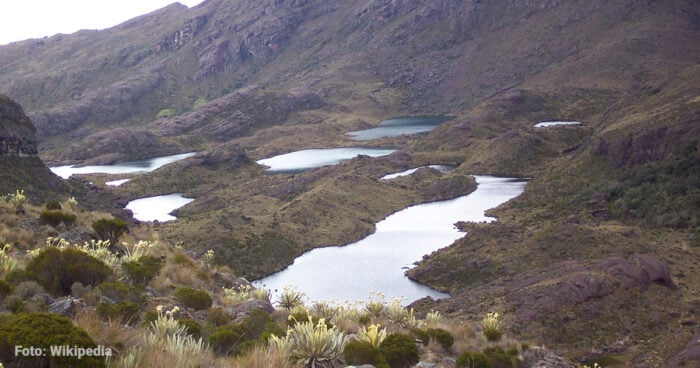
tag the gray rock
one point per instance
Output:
(542, 358)
(239, 312)
(67, 306)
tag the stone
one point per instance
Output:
(542, 358)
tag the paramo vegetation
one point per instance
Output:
(155, 305)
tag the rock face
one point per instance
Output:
(17, 134)
(542, 358)
(573, 282)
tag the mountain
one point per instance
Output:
(596, 258)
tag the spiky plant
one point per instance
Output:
(491, 326)
(433, 318)
(7, 262)
(290, 298)
(316, 345)
(372, 334)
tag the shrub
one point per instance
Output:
(193, 298)
(500, 358)
(361, 352)
(227, 340)
(399, 350)
(217, 317)
(421, 335)
(110, 229)
(118, 291)
(56, 217)
(142, 271)
(53, 205)
(443, 337)
(472, 359)
(236, 339)
(57, 269)
(121, 311)
(192, 328)
(364, 319)
(42, 330)
(491, 327)
(5, 289)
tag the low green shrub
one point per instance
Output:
(399, 350)
(142, 271)
(361, 352)
(42, 330)
(56, 217)
(118, 291)
(5, 289)
(110, 229)
(472, 359)
(236, 339)
(121, 311)
(192, 328)
(227, 340)
(193, 298)
(53, 205)
(499, 358)
(421, 335)
(57, 269)
(442, 337)
(217, 317)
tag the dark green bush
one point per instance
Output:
(443, 337)
(399, 350)
(118, 291)
(110, 229)
(55, 217)
(42, 330)
(236, 339)
(16, 277)
(191, 327)
(364, 320)
(193, 298)
(362, 352)
(142, 271)
(122, 311)
(56, 270)
(53, 205)
(217, 317)
(5, 289)
(472, 359)
(421, 335)
(499, 358)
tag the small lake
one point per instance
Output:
(440, 168)
(140, 166)
(116, 183)
(547, 124)
(311, 158)
(378, 262)
(157, 208)
(399, 126)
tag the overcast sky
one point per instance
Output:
(24, 19)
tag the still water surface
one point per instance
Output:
(378, 262)
(158, 207)
(140, 166)
(311, 158)
(399, 126)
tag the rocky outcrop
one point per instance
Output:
(543, 358)
(17, 134)
(574, 282)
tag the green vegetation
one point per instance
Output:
(141, 272)
(442, 337)
(236, 339)
(53, 205)
(399, 350)
(362, 352)
(56, 217)
(42, 330)
(165, 113)
(57, 269)
(500, 358)
(196, 299)
(110, 229)
(120, 311)
(471, 359)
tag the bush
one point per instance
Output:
(500, 358)
(236, 339)
(56, 217)
(361, 352)
(192, 328)
(5, 289)
(399, 350)
(227, 340)
(442, 337)
(118, 291)
(42, 330)
(56, 270)
(53, 205)
(421, 335)
(122, 311)
(193, 298)
(472, 359)
(142, 271)
(110, 229)
(217, 317)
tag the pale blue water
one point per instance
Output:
(140, 166)
(311, 158)
(546, 124)
(441, 168)
(158, 207)
(398, 126)
(378, 262)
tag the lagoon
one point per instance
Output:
(140, 166)
(440, 168)
(547, 124)
(399, 126)
(378, 262)
(157, 208)
(311, 158)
